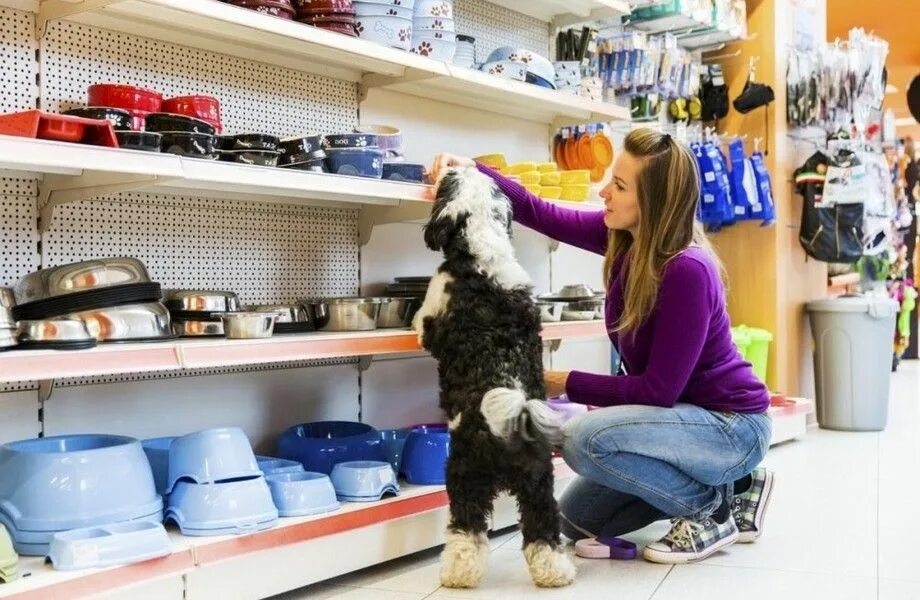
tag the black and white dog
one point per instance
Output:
(480, 323)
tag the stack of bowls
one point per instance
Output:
(195, 313)
(258, 149)
(465, 55)
(215, 486)
(60, 483)
(185, 136)
(354, 154)
(127, 108)
(568, 75)
(321, 445)
(433, 30)
(303, 493)
(388, 138)
(540, 71)
(385, 22)
(204, 108)
(331, 15)
(304, 152)
(364, 480)
(7, 323)
(276, 8)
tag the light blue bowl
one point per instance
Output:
(211, 456)
(369, 9)
(410, 4)
(302, 494)
(392, 31)
(228, 508)
(273, 466)
(393, 441)
(363, 480)
(536, 64)
(157, 451)
(433, 24)
(108, 545)
(425, 455)
(68, 482)
(505, 69)
(434, 8)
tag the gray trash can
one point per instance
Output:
(853, 347)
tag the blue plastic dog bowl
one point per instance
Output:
(302, 494)
(322, 445)
(363, 480)
(404, 172)
(211, 456)
(425, 455)
(357, 162)
(157, 451)
(393, 441)
(228, 508)
(69, 482)
(272, 466)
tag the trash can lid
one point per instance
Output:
(877, 306)
(755, 334)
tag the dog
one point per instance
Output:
(480, 323)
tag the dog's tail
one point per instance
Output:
(509, 413)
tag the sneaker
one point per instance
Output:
(749, 508)
(689, 541)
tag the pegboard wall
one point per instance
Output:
(265, 253)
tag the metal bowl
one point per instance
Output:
(198, 328)
(587, 310)
(287, 313)
(551, 312)
(247, 325)
(347, 314)
(7, 302)
(53, 330)
(7, 338)
(397, 312)
(80, 277)
(128, 322)
(203, 301)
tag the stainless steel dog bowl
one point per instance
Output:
(248, 325)
(551, 312)
(80, 277)
(586, 310)
(53, 330)
(198, 328)
(572, 293)
(396, 312)
(347, 314)
(287, 313)
(7, 303)
(203, 301)
(129, 322)
(7, 338)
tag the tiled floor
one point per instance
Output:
(844, 524)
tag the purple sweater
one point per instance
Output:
(683, 352)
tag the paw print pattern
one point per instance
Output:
(361, 142)
(438, 24)
(438, 35)
(392, 12)
(405, 35)
(424, 48)
(397, 2)
(497, 70)
(359, 27)
(442, 9)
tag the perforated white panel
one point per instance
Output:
(18, 248)
(255, 97)
(495, 27)
(17, 55)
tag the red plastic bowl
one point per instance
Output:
(61, 130)
(205, 108)
(127, 97)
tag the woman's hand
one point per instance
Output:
(448, 161)
(555, 382)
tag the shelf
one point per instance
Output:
(562, 13)
(244, 33)
(114, 359)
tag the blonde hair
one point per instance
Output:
(668, 187)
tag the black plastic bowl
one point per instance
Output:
(255, 141)
(120, 119)
(196, 145)
(148, 141)
(315, 166)
(350, 140)
(165, 122)
(301, 149)
(261, 158)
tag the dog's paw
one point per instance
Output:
(549, 567)
(463, 562)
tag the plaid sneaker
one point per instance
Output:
(749, 508)
(689, 541)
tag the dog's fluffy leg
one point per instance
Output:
(435, 303)
(505, 410)
(549, 566)
(463, 562)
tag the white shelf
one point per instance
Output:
(114, 359)
(224, 28)
(567, 12)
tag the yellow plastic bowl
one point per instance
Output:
(533, 189)
(577, 192)
(552, 192)
(530, 177)
(550, 178)
(496, 161)
(547, 167)
(523, 167)
(580, 177)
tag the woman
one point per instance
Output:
(681, 434)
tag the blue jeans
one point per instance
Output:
(640, 464)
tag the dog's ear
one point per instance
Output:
(442, 226)
(502, 208)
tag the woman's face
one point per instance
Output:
(621, 196)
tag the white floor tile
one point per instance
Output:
(706, 581)
(338, 592)
(893, 589)
(416, 574)
(508, 579)
(508, 538)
